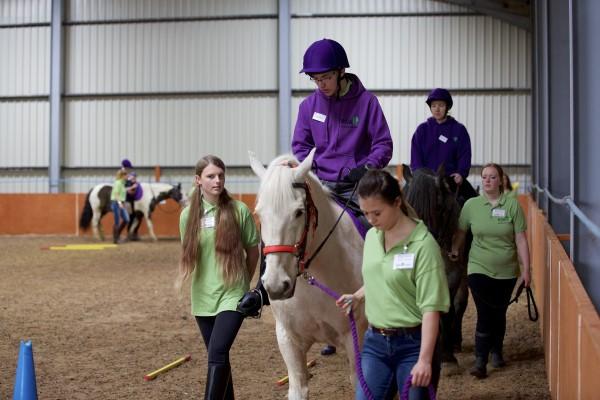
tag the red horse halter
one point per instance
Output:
(299, 248)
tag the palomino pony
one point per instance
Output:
(435, 203)
(296, 213)
(97, 204)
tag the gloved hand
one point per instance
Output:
(356, 173)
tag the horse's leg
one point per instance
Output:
(448, 320)
(96, 227)
(150, 228)
(294, 356)
(460, 306)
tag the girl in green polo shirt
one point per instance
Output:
(117, 204)
(219, 254)
(404, 291)
(499, 241)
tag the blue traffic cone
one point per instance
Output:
(25, 387)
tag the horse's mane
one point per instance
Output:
(435, 204)
(276, 191)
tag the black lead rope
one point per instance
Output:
(533, 312)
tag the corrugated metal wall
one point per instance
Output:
(165, 82)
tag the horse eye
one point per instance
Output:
(298, 213)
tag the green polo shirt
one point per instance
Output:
(118, 190)
(404, 283)
(494, 250)
(209, 294)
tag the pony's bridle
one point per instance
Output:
(299, 248)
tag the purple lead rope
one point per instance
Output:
(361, 379)
(408, 384)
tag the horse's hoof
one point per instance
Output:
(451, 368)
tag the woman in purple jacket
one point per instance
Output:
(442, 140)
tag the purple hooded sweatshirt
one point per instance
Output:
(448, 143)
(348, 132)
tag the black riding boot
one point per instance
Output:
(482, 350)
(496, 352)
(217, 380)
(115, 234)
(120, 229)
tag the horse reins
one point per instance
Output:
(312, 215)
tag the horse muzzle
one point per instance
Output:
(281, 289)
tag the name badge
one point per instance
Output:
(404, 261)
(499, 213)
(319, 117)
(208, 221)
(443, 139)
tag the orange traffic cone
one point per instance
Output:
(25, 387)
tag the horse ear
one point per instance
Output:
(256, 165)
(406, 173)
(305, 166)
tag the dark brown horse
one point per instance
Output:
(433, 196)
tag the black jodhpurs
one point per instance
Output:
(218, 333)
(491, 298)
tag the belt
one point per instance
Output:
(396, 331)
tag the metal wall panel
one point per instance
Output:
(23, 182)
(15, 12)
(24, 61)
(169, 131)
(168, 57)
(422, 52)
(499, 124)
(310, 7)
(91, 10)
(24, 134)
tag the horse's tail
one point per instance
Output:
(86, 214)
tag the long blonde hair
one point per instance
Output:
(228, 243)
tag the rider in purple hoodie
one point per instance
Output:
(442, 140)
(341, 119)
(346, 124)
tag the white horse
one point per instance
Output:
(303, 313)
(97, 204)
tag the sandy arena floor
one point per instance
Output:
(100, 320)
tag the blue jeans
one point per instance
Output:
(387, 362)
(119, 212)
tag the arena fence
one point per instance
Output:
(58, 214)
(569, 323)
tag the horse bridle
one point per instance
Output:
(299, 248)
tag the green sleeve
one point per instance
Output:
(183, 217)
(250, 236)
(463, 221)
(432, 286)
(519, 222)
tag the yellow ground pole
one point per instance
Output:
(167, 367)
(285, 379)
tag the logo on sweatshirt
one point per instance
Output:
(352, 121)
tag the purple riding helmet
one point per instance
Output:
(324, 55)
(440, 94)
(126, 163)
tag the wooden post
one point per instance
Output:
(157, 173)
